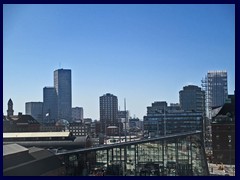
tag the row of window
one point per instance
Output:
(218, 136)
(79, 134)
(77, 127)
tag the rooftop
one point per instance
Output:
(12, 149)
(36, 134)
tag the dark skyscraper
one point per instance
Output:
(63, 86)
(35, 109)
(192, 98)
(108, 111)
(49, 104)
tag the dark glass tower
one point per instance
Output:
(35, 109)
(63, 86)
(49, 105)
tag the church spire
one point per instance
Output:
(10, 108)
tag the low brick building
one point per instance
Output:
(223, 133)
(20, 123)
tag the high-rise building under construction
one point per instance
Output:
(215, 84)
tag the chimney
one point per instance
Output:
(19, 114)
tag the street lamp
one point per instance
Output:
(230, 148)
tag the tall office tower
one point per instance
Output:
(215, 84)
(192, 98)
(49, 105)
(108, 111)
(10, 108)
(35, 109)
(62, 83)
(77, 114)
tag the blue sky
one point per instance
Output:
(143, 53)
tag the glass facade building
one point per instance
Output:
(178, 155)
(159, 124)
(162, 120)
(49, 105)
(62, 84)
(35, 109)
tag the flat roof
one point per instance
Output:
(35, 134)
(12, 149)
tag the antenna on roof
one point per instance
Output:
(125, 119)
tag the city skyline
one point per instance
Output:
(143, 53)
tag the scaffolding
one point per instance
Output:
(215, 86)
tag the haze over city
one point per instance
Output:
(143, 53)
